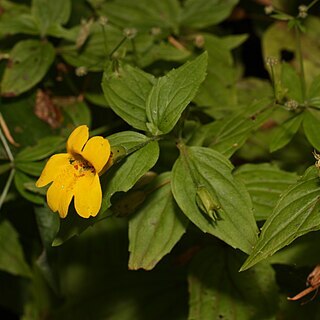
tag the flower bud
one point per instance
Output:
(206, 203)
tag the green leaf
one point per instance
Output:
(278, 39)
(19, 114)
(142, 154)
(285, 132)
(20, 181)
(230, 133)
(129, 140)
(48, 224)
(44, 148)
(156, 226)
(218, 291)
(126, 91)
(172, 93)
(204, 13)
(311, 122)
(142, 14)
(93, 55)
(164, 52)
(296, 213)
(202, 167)
(291, 82)
(300, 253)
(22, 23)
(15, 18)
(265, 182)
(96, 98)
(217, 94)
(48, 13)
(28, 64)
(252, 88)
(32, 168)
(79, 113)
(11, 258)
(282, 16)
(314, 92)
(5, 167)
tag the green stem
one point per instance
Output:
(300, 59)
(134, 50)
(6, 187)
(5, 145)
(105, 39)
(312, 4)
(123, 40)
(273, 84)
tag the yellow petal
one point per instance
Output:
(61, 191)
(52, 168)
(97, 152)
(88, 195)
(77, 139)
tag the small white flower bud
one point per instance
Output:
(268, 9)
(130, 33)
(81, 71)
(303, 11)
(103, 20)
(271, 61)
(292, 104)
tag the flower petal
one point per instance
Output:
(97, 152)
(52, 168)
(77, 139)
(88, 196)
(60, 193)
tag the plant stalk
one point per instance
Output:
(6, 187)
(300, 60)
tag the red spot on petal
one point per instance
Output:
(76, 166)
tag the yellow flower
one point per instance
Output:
(76, 174)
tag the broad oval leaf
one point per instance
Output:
(48, 224)
(229, 134)
(11, 258)
(203, 13)
(291, 83)
(129, 140)
(203, 167)
(297, 213)
(265, 182)
(22, 23)
(172, 93)
(48, 14)
(28, 64)
(29, 167)
(217, 93)
(21, 181)
(142, 14)
(126, 91)
(141, 157)
(93, 54)
(285, 132)
(314, 93)
(156, 226)
(219, 291)
(311, 122)
(44, 148)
